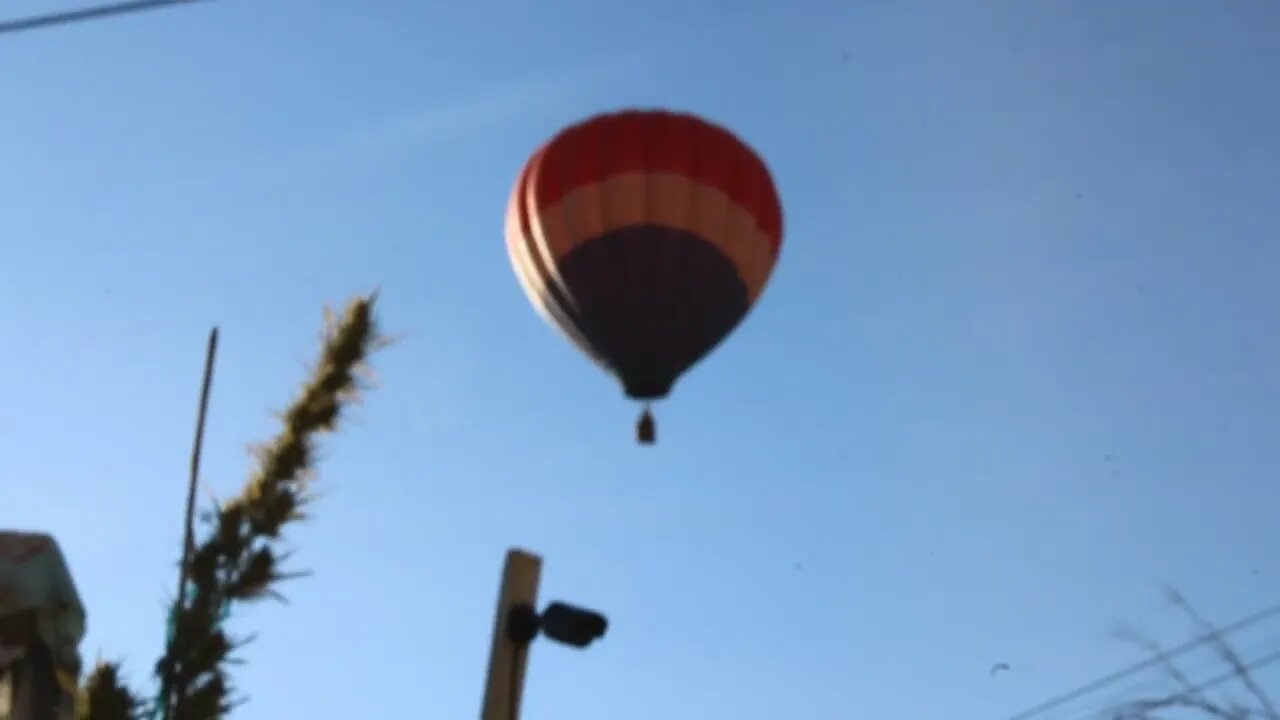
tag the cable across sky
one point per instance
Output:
(89, 13)
(1151, 662)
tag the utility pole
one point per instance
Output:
(515, 626)
(504, 686)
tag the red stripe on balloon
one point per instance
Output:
(657, 141)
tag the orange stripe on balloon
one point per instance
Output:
(663, 199)
(658, 142)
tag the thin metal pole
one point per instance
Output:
(90, 13)
(188, 527)
(504, 687)
(188, 541)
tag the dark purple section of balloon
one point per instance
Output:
(652, 301)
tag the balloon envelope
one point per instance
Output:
(645, 236)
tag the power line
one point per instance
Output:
(1256, 664)
(90, 13)
(1147, 664)
(1177, 680)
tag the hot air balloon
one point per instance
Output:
(645, 237)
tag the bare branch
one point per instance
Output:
(1188, 696)
(1227, 653)
(1191, 695)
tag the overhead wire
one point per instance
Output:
(89, 13)
(1232, 674)
(1177, 679)
(1112, 678)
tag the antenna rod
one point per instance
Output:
(188, 542)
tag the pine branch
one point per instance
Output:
(240, 560)
(104, 697)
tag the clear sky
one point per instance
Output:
(1019, 365)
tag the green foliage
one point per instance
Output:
(104, 696)
(239, 561)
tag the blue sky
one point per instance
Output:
(1018, 367)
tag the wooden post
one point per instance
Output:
(504, 686)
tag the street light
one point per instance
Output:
(516, 626)
(560, 622)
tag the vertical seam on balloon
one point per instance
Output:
(529, 270)
(601, 335)
(542, 247)
(769, 192)
(557, 294)
(522, 274)
(601, 135)
(775, 197)
(686, 129)
(734, 242)
(516, 240)
(652, 253)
